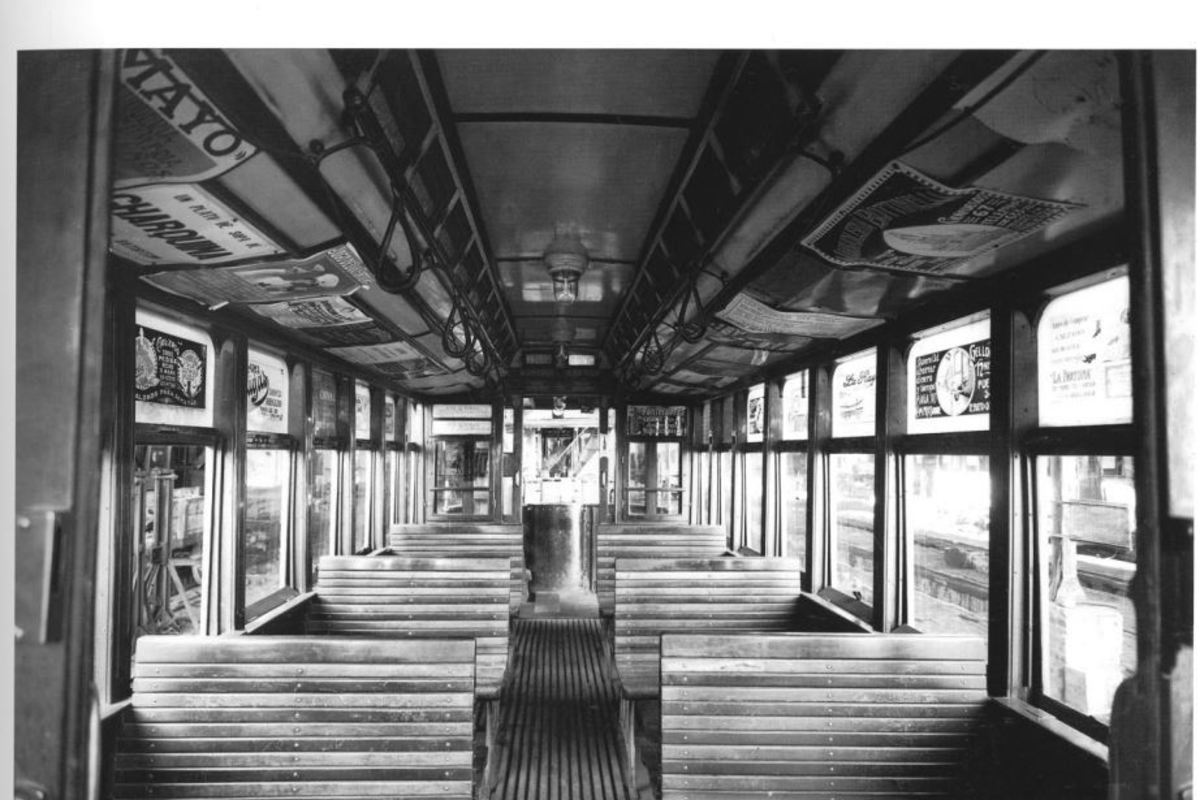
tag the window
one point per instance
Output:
(172, 517)
(1085, 521)
(266, 521)
(654, 477)
(852, 522)
(393, 482)
(753, 535)
(362, 530)
(324, 468)
(794, 504)
(947, 505)
(462, 437)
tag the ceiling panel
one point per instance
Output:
(602, 181)
(632, 82)
(527, 286)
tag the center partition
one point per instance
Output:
(565, 463)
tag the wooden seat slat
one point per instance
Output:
(481, 540)
(649, 540)
(819, 715)
(306, 717)
(398, 597)
(640, 619)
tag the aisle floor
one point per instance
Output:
(558, 737)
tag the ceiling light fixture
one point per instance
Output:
(566, 259)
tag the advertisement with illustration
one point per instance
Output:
(333, 272)
(954, 382)
(663, 422)
(332, 321)
(266, 395)
(169, 370)
(904, 220)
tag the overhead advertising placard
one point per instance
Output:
(906, 221)
(751, 316)
(169, 130)
(266, 394)
(337, 271)
(462, 427)
(332, 321)
(1084, 370)
(169, 370)
(462, 411)
(660, 422)
(181, 224)
(395, 359)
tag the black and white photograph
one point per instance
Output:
(536, 402)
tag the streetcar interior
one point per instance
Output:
(891, 322)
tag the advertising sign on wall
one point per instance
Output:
(266, 394)
(169, 370)
(954, 382)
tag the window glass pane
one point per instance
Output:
(268, 473)
(322, 494)
(637, 478)
(361, 533)
(756, 413)
(794, 504)
(667, 464)
(362, 410)
(1084, 375)
(394, 488)
(172, 519)
(795, 406)
(947, 500)
(853, 514)
(725, 473)
(174, 368)
(854, 396)
(416, 423)
(949, 379)
(753, 495)
(1085, 517)
(461, 476)
(266, 393)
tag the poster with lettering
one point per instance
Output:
(331, 321)
(266, 396)
(954, 382)
(905, 220)
(755, 414)
(324, 405)
(795, 407)
(169, 370)
(169, 131)
(362, 411)
(181, 224)
(333, 272)
(399, 360)
(1084, 368)
(854, 397)
(657, 422)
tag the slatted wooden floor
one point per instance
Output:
(558, 735)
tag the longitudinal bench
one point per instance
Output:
(649, 540)
(302, 717)
(466, 540)
(834, 716)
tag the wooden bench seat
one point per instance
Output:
(297, 717)
(656, 596)
(649, 540)
(393, 597)
(820, 715)
(467, 540)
